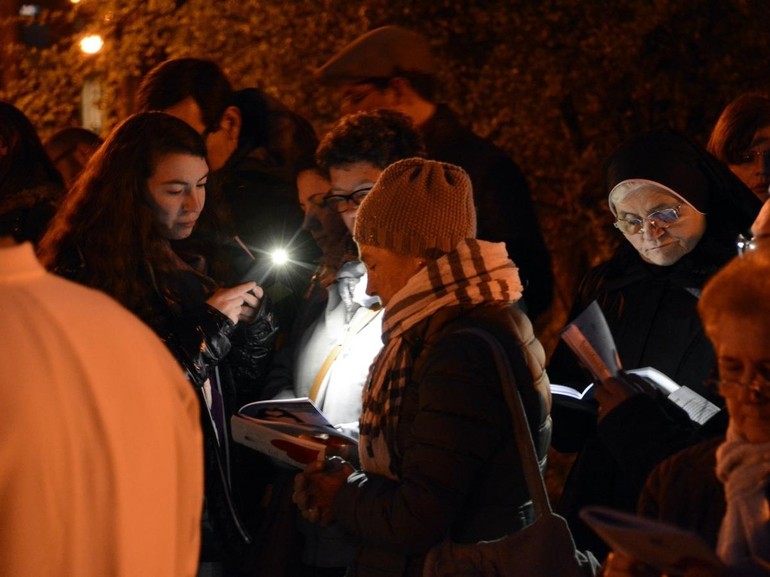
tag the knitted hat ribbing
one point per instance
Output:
(417, 205)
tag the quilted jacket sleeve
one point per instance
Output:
(199, 339)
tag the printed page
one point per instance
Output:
(657, 379)
(293, 431)
(665, 547)
(301, 411)
(286, 446)
(698, 408)
(590, 339)
(567, 391)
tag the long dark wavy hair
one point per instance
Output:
(106, 221)
(30, 185)
(26, 164)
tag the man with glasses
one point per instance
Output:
(394, 68)
(330, 356)
(356, 151)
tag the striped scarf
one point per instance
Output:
(475, 272)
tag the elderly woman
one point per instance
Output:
(437, 448)
(680, 210)
(720, 489)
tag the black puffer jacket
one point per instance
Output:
(461, 476)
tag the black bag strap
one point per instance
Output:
(524, 442)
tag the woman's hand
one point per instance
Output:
(239, 303)
(615, 390)
(316, 487)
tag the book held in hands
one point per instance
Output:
(590, 339)
(293, 431)
(667, 548)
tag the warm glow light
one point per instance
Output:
(91, 44)
(74, 1)
(29, 10)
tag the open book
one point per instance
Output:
(292, 431)
(590, 339)
(567, 391)
(667, 548)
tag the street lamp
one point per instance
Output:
(91, 44)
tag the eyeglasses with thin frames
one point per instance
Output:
(341, 202)
(758, 388)
(658, 219)
(752, 156)
(744, 244)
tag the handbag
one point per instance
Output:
(544, 548)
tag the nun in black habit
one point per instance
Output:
(680, 211)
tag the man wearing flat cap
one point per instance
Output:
(392, 67)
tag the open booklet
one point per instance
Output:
(292, 431)
(667, 548)
(591, 340)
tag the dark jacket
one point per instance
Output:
(207, 345)
(651, 311)
(684, 491)
(652, 314)
(253, 198)
(234, 358)
(460, 471)
(503, 204)
(259, 188)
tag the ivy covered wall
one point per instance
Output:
(556, 83)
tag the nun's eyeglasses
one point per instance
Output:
(746, 244)
(659, 219)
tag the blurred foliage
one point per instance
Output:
(556, 83)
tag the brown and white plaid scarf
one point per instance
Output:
(475, 272)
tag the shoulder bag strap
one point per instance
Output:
(363, 321)
(524, 442)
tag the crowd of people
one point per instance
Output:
(143, 306)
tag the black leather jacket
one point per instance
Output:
(234, 359)
(208, 346)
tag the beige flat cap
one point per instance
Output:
(380, 53)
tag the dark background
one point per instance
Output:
(556, 83)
